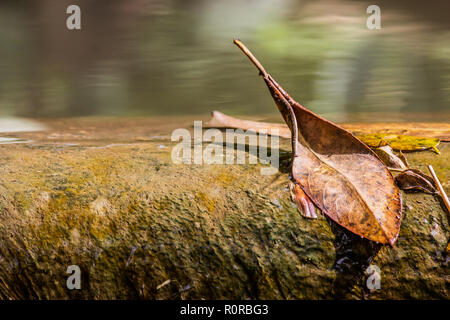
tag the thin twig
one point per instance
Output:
(283, 99)
(250, 56)
(441, 189)
(396, 170)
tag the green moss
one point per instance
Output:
(214, 229)
(206, 201)
(400, 142)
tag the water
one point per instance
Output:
(149, 57)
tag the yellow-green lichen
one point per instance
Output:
(400, 142)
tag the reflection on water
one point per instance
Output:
(14, 124)
(161, 57)
(7, 140)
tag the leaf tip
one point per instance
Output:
(392, 241)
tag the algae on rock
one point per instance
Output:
(131, 220)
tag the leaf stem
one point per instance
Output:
(441, 189)
(283, 96)
(250, 55)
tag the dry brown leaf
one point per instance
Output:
(413, 179)
(390, 159)
(305, 206)
(339, 173)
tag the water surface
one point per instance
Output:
(150, 57)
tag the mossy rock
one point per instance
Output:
(108, 198)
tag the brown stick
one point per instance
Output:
(441, 189)
(284, 97)
(220, 120)
(250, 56)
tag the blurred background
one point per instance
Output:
(176, 57)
